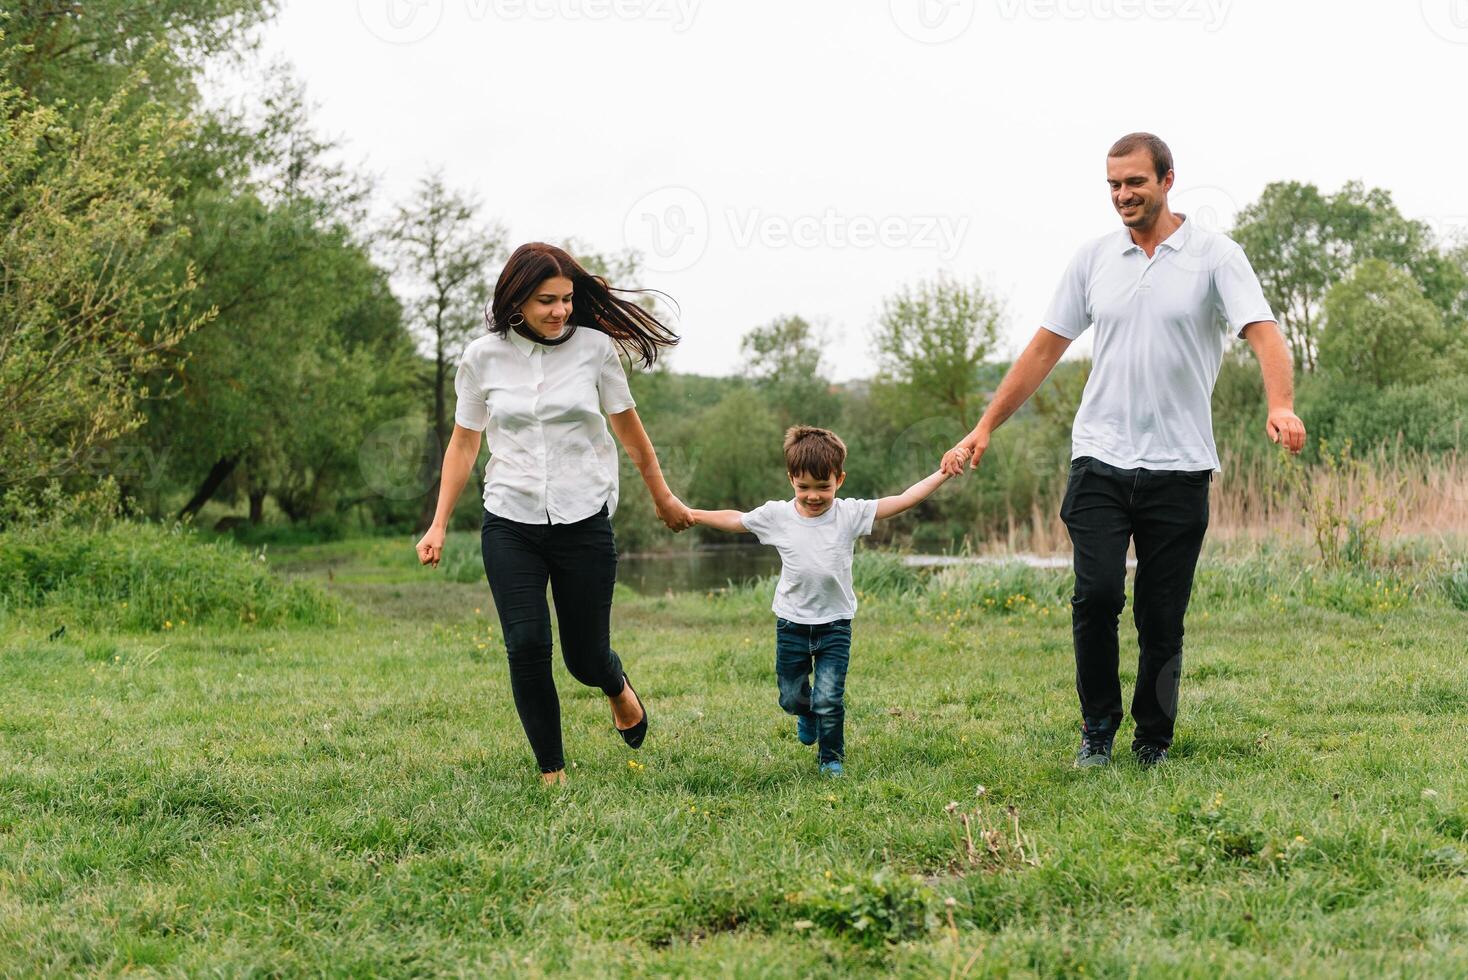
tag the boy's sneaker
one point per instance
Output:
(832, 768)
(1095, 747)
(1149, 755)
(805, 729)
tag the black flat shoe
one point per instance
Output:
(633, 736)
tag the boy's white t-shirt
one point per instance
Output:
(815, 556)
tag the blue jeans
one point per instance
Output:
(825, 650)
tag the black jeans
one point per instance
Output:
(580, 562)
(1166, 513)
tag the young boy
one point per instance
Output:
(814, 601)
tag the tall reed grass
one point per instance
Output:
(1266, 498)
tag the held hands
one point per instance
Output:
(1285, 428)
(430, 547)
(672, 512)
(968, 451)
(953, 461)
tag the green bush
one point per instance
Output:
(463, 557)
(873, 910)
(1006, 588)
(318, 530)
(1246, 581)
(883, 573)
(1208, 832)
(1269, 579)
(1455, 585)
(146, 577)
(1358, 594)
(1426, 417)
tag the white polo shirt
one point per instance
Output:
(551, 458)
(1160, 330)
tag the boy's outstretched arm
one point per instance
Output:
(720, 520)
(913, 495)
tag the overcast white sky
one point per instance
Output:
(810, 156)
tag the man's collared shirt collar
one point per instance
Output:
(1173, 242)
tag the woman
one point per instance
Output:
(538, 384)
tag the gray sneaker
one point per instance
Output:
(1095, 748)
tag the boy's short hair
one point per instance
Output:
(817, 453)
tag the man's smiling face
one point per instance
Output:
(1136, 193)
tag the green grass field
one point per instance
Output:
(358, 799)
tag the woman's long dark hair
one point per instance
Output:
(636, 331)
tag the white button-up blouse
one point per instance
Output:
(551, 458)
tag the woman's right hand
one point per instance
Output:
(430, 547)
(674, 513)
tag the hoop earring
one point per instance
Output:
(517, 319)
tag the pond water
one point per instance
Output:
(700, 570)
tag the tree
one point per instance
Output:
(930, 342)
(447, 253)
(82, 50)
(271, 229)
(86, 304)
(296, 302)
(735, 454)
(1380, 329)
(1302, 242)
(784, 361)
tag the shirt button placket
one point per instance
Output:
(539, 375)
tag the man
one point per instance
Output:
(1162, 294)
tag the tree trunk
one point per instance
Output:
(440, 422)
(433, 459)
(218, 473)
(430, 505)
(257, 506)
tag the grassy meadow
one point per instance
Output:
(327, 777)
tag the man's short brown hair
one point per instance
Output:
(1132, 142)
(816, 453)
